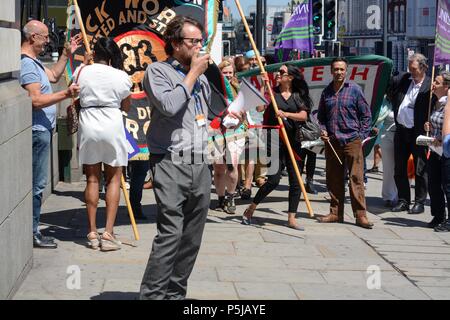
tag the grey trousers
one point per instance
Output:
(182, 193)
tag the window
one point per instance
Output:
(425, 16)
(396, 19)
(402, 19)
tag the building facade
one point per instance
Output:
(411, 27)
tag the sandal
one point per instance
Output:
(245, 220)
(94, 240)
(110, 243)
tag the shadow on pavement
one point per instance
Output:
(116, 295)
(72, 224)
(404, 222)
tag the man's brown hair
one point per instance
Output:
(174, 31)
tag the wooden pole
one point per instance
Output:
(431, 96)
(130, 210)
(275, 106)
(122, 179)
(335, 153)
(80, 22)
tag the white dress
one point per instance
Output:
(101, 134)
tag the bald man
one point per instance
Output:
(36, 79)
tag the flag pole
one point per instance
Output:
(432, 71)
(275, 106)
(122, 179)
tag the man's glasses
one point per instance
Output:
(195, 41)
(46, 36)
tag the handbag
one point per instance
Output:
(73, 112)
(307, 131)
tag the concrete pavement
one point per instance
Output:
(263, 261)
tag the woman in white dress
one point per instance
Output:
(104, 93)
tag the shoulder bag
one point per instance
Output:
(73, 111)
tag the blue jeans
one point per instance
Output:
(137, 179)
(41, 155)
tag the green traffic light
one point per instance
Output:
(317, 17)
(330, 24)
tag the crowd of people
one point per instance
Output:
(180, 96)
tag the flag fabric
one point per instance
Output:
(442, 50)
(370, 72)
(248, 98)
(297, 33)
(137, 27)
(132, 146)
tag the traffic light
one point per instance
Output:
(252, 23)
(317, 17)
(330, 25)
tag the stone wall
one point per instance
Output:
(16, 251)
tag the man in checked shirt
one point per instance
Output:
(345, 118)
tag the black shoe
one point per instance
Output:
(229, 205)
(310, 187)
(388, 204)
(373, 170)
(401, 206)
(39, 242)
(46, 238)
(140, 217)
(246, 194)
(435, 222)
(417, 208)
(220, 204)
(443, 227)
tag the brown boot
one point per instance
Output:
(331, 218)
(362, 221)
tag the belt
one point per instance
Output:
(403, 127)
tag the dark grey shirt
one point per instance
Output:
(173, 127)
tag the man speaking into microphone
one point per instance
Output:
(179, 95)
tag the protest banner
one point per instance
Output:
(137, 27)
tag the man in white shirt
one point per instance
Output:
(410, 94)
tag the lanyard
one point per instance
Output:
(195, 94)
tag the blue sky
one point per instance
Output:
(247, 3)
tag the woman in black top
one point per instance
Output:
(294, 104)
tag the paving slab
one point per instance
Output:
(275, 250)
(263, 261)
(338, 292)
(335, 263)
(258, 274)
(211, 290)
(265, 291)
(437, 293)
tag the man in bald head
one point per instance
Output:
(36, 79)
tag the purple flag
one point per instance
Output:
(297, 34)
(442, 50)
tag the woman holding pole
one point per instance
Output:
(104, 93)
(294, 103)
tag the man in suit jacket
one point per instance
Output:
(410, 94)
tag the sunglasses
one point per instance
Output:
(283, 73)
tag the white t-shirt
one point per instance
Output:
(405, 114)
(102, 85)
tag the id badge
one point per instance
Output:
(200, 120)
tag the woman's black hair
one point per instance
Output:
(106, 49)
(300, 86)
